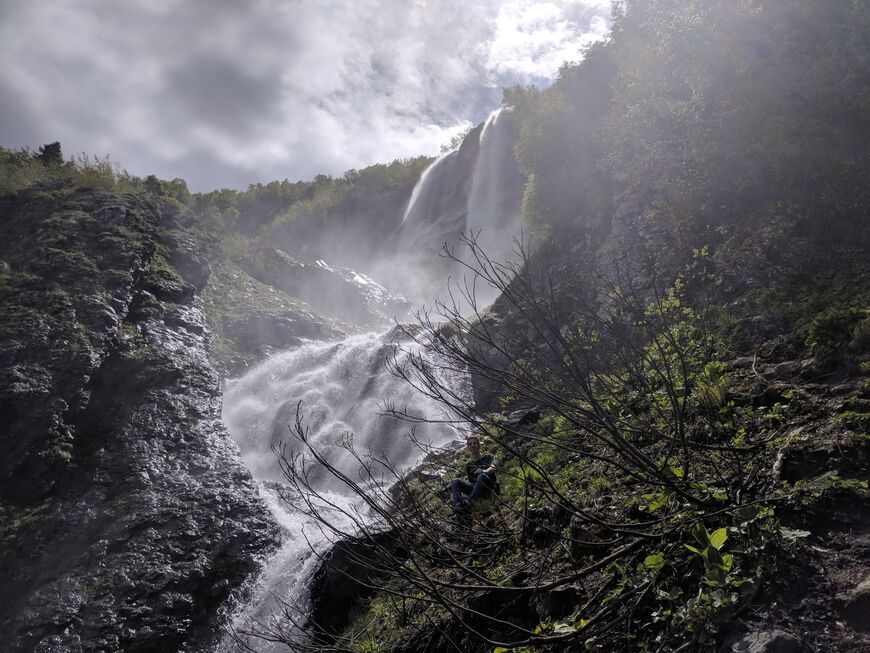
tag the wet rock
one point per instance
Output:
(742, 363)
(189, 261)
(769, 641)
(404, 333)
(523, 417)
(112, 214)
(843, 389)
(264, 330)
(761, 327)
(170, 290)
(856, 606)
(132, 519)
(65, 643)
(811, 368)
(786, 369)
(344, 579)
(190, 319)
(336, 291)
(250, 319)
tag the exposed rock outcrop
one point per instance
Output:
(128, 518)
(345, 578)
(336, 291)
(252, 320)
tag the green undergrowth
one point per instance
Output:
(828, 314)
(13, 518)
(702, 547)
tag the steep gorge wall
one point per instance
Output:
(127, 517)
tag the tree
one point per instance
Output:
(176, 189)
(49, 155)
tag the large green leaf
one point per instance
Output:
(655, 561)
(717, 539)
(700, 534)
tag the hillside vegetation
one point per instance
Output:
(674, 379)
(675, 382)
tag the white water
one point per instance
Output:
(494, 209)
(425, 197)
(475, 190)
(342, 386)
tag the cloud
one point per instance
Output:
(222, 94)
(228, 93)
(532, 39)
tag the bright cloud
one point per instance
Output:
(227, 93)
(532, 39)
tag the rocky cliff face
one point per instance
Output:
(251, 320)
(333, 290)
(127, 517)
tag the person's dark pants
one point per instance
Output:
(483, 485)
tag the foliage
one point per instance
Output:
(558, 149)
(176, 189)
(834, 329)
(347, 218)
(49, 155)
(617, 489)
(343, 218)
(456, 140)
(739, 125)
(19, 169)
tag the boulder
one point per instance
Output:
(856, 606)
(345, 578)
(523, 417)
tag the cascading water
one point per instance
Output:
(476, 189)
(494, 204)
(342, 387)
(425, 200)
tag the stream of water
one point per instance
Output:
(342, 386)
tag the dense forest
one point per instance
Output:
(674, 377)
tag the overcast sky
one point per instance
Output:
(229, 92)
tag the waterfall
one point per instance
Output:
(437, 208)
(425, 199)
(494, 204)
(342, 387)
(477, 189)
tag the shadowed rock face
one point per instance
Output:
(336, 291)
(127, 518)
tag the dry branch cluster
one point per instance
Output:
(601, 530)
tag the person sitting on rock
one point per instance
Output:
(481, 474)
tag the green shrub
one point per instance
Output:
(833, 329)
